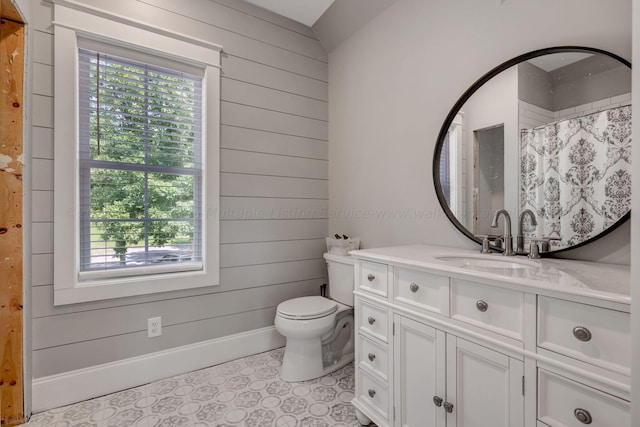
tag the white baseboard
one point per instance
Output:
(75, 386)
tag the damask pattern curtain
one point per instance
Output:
(575, 174)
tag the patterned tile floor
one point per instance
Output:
(244, 392)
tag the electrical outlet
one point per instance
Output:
(154, 327)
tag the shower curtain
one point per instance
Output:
(575, 174)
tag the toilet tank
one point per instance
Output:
(340, 269)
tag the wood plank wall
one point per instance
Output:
(11, 232)
(273, 189)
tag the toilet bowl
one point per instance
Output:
(319, 330)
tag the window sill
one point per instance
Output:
(96, 290)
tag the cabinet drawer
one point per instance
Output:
(373, 278)
(422, 290)
(593, 334)
(374, 393)
(373, 321)
(497, 309)
(561, 402)
(373, 357)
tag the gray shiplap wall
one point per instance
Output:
(274, 188)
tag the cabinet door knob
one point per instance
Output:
(372, 392)
(372, 356)
(448, 407)
(583, 416)
(371, 320)
(581, 333)
(370, 277)
(414, 288)
(437, 400)
(482, 305)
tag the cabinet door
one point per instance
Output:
(419, 374)
(484, 386)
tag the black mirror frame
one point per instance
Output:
(465, 97)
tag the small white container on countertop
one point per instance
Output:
(342, 246)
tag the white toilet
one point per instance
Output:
(319, 330)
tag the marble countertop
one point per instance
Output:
(609, 282)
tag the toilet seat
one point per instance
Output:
(307, 308)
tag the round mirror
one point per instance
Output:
(547, 137)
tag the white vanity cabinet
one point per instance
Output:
(443, 380)
(419, 374)
(439, 346)
(484, 386)
(595, 338)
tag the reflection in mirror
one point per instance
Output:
(551, 134)
(488, 176)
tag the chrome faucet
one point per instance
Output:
(520, 237)
(508, 239)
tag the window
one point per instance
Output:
(445, 169)
(140, 151)
(136, 169)
(450, 170)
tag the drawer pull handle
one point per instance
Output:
(482, 305)
(371, 320)
(448, 407)
(371, 277)
(414, 288)
(372, 392)
(437, 400)
(583, 416)
(372, 357)
(581, 333)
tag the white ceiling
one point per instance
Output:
(304, 11)
(558, 60)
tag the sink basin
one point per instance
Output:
(487, 263)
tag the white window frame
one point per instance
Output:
(70, 25)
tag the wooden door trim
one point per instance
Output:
(11, 200)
